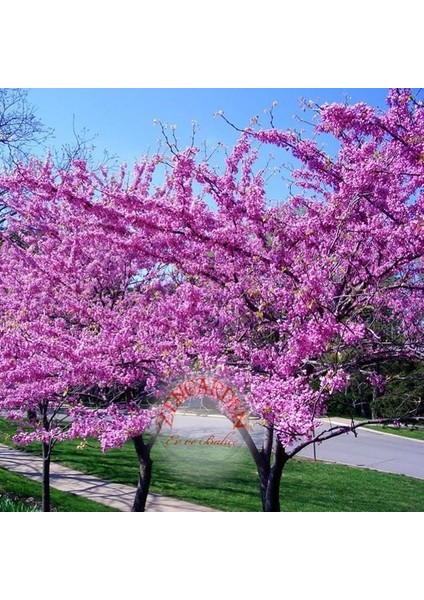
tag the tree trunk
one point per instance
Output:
(263, 472)
(374, 404)
(270, 462)
(271, 500)
(45, 497)
(145, 474)
(363, 402)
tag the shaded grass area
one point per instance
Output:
(415, 434)
(23, 488)
(9, 503)
(225, 478)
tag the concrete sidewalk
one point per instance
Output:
(67, 480)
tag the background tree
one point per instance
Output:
(87, 329)
(20, 129)
(20, 132)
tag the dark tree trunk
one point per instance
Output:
(263, 473)
(363, 402)
(145, 473)
(270, 462)
(271, 501)
(45, 497)
(374, 404)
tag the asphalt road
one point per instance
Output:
(373, 450)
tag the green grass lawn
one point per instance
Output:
(23, 488)
(11, 503)
(416, 434)
(225, 479)
(405, 431)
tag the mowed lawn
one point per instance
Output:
(413, 434)
(225, 478)
(23, 488)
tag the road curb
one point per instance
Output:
(346, 424)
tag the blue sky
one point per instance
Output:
(123, 118)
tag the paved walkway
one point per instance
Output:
(66, 480)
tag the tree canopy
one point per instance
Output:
(114, 282)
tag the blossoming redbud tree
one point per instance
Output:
(327, 284)
(65, 314)
(90, 323)
(285, 300)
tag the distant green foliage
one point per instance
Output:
(404, 392)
